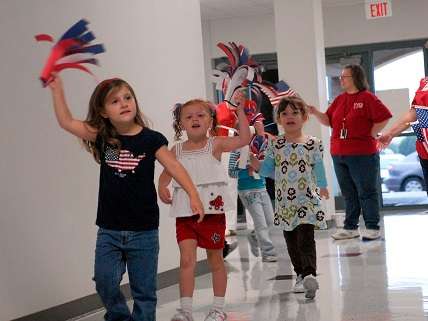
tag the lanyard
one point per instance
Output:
(344, 131)
(346, 111)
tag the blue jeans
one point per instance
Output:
(358, 178)
(138, 251)
(259, 205)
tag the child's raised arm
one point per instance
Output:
(65, 119)
(174, 169)
(227, 144)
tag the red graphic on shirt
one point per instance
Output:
(216, 237)
(217, 203)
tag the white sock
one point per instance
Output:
(186, 304)
(218, 303)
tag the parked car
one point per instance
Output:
(387, 157)
(405, 175)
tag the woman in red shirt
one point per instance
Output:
(356, 117)
(420, 102)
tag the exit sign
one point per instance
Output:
(378, 9)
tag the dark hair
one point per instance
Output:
(105, 129)
(176, 113)
(358, 77)
(294, 102)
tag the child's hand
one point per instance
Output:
(270, 136)
(164, 194)
(324, 193)
(197, 207)
(239, 99)
(260, 128)
(254, 162)
(55, 83)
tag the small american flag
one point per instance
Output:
(276, 92)
(122, 160)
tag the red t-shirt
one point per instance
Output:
(356, 113)
(421, 99)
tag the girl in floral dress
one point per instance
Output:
(294, 160)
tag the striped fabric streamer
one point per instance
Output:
(72, 50)
(275, 92)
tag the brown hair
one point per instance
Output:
(176, 113)
(294, 102)
(358, 77)
(106, 132)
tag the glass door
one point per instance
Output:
(393, 71)
(396, 77)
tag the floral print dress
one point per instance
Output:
(297, 199)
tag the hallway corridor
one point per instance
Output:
(381, 280)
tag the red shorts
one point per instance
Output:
(209, 234)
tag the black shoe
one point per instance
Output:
(228, 248)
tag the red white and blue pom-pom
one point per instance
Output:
(73, 50)
(241, 70)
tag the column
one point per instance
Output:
(301, 63)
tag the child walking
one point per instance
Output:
(116, 134)
(201, 156)
(254, 197)
(294, 160)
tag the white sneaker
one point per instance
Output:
(370, 235)
(270, 258)
(343, 234)
(310, 284)
(182, 315)
(298, 287)
(216, 315)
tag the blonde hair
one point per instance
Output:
(178, 108)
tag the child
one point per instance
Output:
(254, 197)
(201, 156)
(295, 161)
(117, 135)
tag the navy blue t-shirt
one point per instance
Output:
(127, 199)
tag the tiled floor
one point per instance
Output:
(360, 281)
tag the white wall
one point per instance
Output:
(49, 187)
(397, 100)
(347, 24)
(206, 36)
(257, 33)
(343, 25)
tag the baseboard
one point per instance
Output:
(91, 303)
